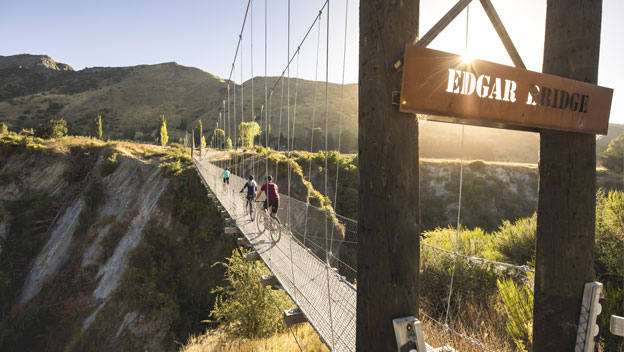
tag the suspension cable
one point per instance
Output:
(459, 202)
(318, 43)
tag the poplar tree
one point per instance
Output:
(97, 128)
(163, 131)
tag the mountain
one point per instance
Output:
(35, 88)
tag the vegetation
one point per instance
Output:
(247, 131)
(219, 137)
(110, 164)
(245, 309)
(613, 157)
(3, 129)
(97, 127)
(54, 129)
(483, 286)
(163, 274)
(228, 144)
(163, 138)
(217, 341)
(203, 142)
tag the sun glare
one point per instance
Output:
(467, 57)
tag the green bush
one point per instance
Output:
(244, 308)
(110, 165)
(517, 303)
(54, 129)
(613, 157)
(515, 242)
(3, 129)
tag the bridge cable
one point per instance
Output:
(344, 63)
(327, 264)
(253, 111)
(459, 201)
(318, 42)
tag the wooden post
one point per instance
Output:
(388, 249)
(567, 184)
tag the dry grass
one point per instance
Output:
(216, 341)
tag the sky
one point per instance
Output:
(204, 34)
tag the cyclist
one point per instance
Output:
(225, 175)
(272, 193)
(252, 187)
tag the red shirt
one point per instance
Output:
(271, 192)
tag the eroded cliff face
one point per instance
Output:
(95, 256)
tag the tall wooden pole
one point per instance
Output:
(388, 247)
(567, 185)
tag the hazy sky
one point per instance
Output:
(203, 33)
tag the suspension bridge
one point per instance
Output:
(315, 259)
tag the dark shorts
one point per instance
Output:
(274, 205)
(251, 196)
(226, 180)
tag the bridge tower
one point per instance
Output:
(388, 253)
(567, 183)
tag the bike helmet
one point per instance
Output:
(270, 178)
(250, 177)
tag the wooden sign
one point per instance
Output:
(494, 95)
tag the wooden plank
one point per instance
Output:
(252, 256)
(294, 316)
(243, 242)
(231, 230)
(489, 94)
(617, 325)
(270, 280)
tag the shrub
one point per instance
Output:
(3, 129)
(110, 165)
(517, 304)
(244, 307)
(613, 157)
(54, 129)
(515, 242)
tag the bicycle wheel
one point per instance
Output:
(276, 229)
(261, 221)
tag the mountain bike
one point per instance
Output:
(265, 221)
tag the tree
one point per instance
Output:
(199, 127)
(163, 138)
(219, 137)
(228, 144)
(244, 308)
(613, 157)
(54, 129)
(203, 142)
(3, 129)
(247, 131)
(96, 129)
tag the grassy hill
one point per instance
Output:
(35, 88)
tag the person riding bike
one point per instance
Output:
(272, 193)
(225, 175)
(252, 187)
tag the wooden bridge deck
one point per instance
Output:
(326, 299)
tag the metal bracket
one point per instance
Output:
(590, 309)
(409, 335)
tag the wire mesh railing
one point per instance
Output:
(311, 267)
(316, 261)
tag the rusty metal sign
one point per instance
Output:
(489, 94)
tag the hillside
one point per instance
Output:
(103, 246)
(35, 88)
